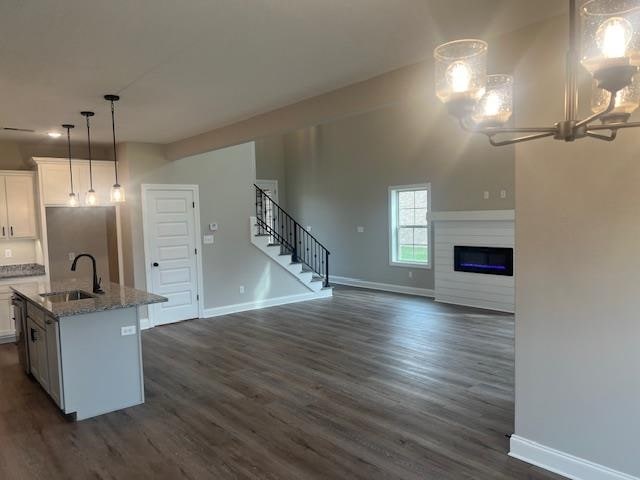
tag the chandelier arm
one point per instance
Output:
(596, 116)
(606, 138)
(614, 126)
(490, 131)
(519, 139)
(468, 126)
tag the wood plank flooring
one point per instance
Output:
(365, 385)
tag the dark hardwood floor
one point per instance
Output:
(366, 385)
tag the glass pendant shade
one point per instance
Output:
(627, 99)
(610, 34)
(73, 200)
(461, 70)
(91, 200)
(495, 107)
(117, 194)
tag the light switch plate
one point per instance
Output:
(213, 227)
(503, 194)
(308, 228)
(485, 195)
(360, 229)
(241, 288)
(130, 330)
(8, 253)
(207, 239)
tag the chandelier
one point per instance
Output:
(608, 32)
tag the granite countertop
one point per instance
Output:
(24, 270)
(114, 297)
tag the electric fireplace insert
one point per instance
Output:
(488, 260)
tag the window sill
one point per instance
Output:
(424, 266)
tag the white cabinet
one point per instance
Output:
(17, 205)
(55, 181)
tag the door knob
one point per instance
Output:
(156, 264)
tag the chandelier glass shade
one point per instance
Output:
(495, 107)
(461, 70)
(604, 37)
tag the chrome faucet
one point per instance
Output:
(96, 283)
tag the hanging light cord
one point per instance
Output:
(69, 147)
(113, 127)
(89, 145)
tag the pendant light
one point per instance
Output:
(90, 199)
(73, 199)
(117, 192)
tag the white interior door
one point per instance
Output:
(171, 240)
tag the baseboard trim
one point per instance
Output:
(386, 287)
(268, 302)
(7, 337)
(562, 463)
(479, 305)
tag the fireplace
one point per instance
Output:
(487, 260)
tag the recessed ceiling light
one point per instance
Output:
(54, 134)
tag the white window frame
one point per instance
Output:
(393, 221)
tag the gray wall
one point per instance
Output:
(270, 164)
(79, 230)
(225, 178)
(577, 302)
(338, 174)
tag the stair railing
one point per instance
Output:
(304, 248)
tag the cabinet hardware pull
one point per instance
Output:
(11, 228)
(3, 232)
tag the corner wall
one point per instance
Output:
(577, 301)
(338, 174)
(225, 178)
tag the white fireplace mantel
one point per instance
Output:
(483, 228)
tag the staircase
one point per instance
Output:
(279, 236)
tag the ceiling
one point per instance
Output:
(189, 66)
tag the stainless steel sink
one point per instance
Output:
(70, 296)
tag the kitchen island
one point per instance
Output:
(83, 348)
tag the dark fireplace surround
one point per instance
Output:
(487, 260)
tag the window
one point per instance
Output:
(409, 225)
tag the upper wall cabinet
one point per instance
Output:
(17, 205)
(55, 182)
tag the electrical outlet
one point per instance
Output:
(241, 288)
(207, 239)
(308, 228)
(485, 195)
(71, 256)
(410, 274)
(503, 194)
(360, 229)
(8, 253)
(130, 330)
